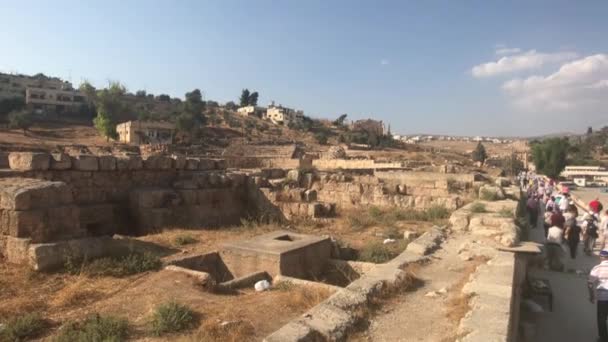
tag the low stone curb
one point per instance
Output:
(334, 318)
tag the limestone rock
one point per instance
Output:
(427, 243)
(179, 161)
(335, 152)
(158, 162)
(129, 162)
(60, 161)
(107, 163)
(206, 164)
(26, 161)
(85, 162)
(191, 164)
(293, 176)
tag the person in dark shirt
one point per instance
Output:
(557, 219)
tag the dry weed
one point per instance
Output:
(76, 293)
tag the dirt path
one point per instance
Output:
(420, 316)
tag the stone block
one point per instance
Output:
(426, 243)
(27, 161)
(329, 321)
(4, 164)
(294, 332)
(107, 163)
(310, 195)
(85, 162)
(191, 164)
(158, 162)
(129, 162)
(60, 161)
(16, 249)
(27, 193)
(294, 176)
(179, 162)
(220, 164)
(206, 164)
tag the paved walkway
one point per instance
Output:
(573, 316)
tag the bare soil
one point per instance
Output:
(419, 316)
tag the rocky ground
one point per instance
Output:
(432, 309)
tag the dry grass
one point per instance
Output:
(79, 292)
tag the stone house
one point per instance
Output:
(250, 111)
(280, 115)
(145, 132)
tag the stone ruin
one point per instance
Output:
(49, 202)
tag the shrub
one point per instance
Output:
(505, 212)
(437, 212)
(95, 328)
(116, 266)
(488, 195)
(171, 317)
(22, 328)
(375, 252)
(478, 208)
(184, 239)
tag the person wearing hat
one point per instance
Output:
(598, 292)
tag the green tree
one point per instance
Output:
(253, 99)
(339, 122)
(21, 119)
(230, 105)
(550, 156)
(321, 138)
(479, 154)
(244, 100)
(589, 130)
(141, 93)
(163, 98)
(109, 104)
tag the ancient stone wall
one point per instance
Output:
(348, 194)
(352, 164)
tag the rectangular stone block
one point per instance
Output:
(206, 164)
(28, 193)
(129, 162)
(179, 162)
(4, 160)
(191, 164)
(85, 162)
(27, 161)
(60, 161)
(107, 163)
(158, 162)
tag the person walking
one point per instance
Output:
(557, 219)
(532, 206)
(590, 233)
(573, 236)
(554, 249)
(604, 229)
(596, 206)
(598, 293)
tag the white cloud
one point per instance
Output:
(524, 61)
(507, 51)
(384, 61)
(578, 86)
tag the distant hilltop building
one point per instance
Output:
(280, 115)
(369, 126)
(41, 93)
(251, 111)
(139, 132)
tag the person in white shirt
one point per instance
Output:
(554, 248)
(604, 228)
(598, 292)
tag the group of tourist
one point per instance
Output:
(563, 229)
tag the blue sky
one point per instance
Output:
(409, 63)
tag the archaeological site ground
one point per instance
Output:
(149, 244)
